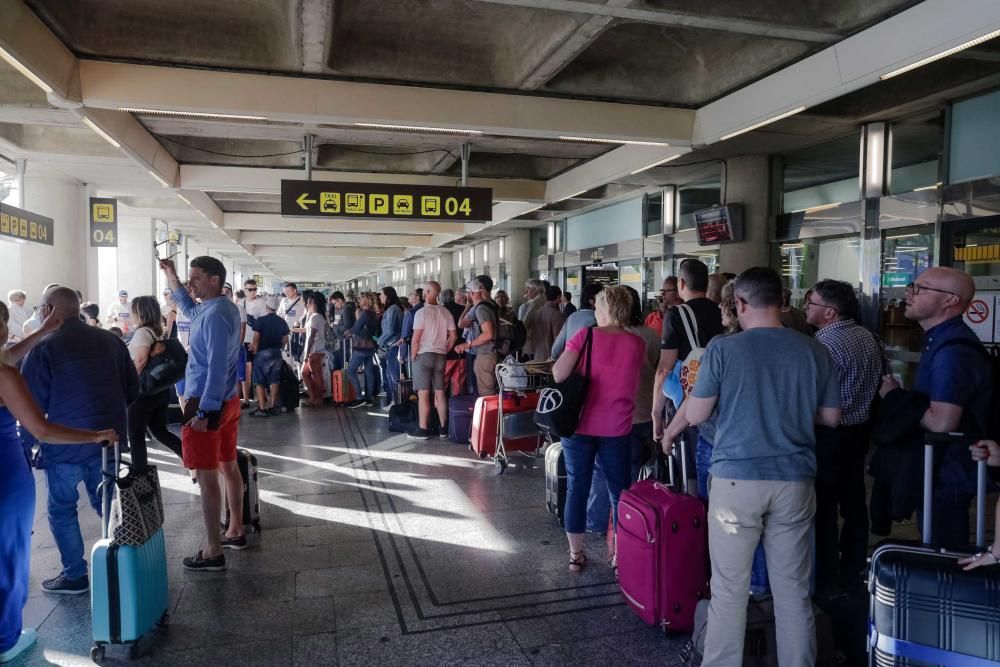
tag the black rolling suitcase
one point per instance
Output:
(924, 609)
(555, 480)
(247, 463)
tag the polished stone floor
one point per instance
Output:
(375, 550)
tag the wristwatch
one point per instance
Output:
(200, 414)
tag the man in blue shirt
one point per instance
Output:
(81, 376)
(955, 374)
(212, 406)
(771, 386)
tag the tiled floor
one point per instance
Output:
(375, 550)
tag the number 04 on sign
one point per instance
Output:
(103, 223)
(387, 201)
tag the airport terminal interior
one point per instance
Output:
(346, 146)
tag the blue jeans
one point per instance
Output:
(759, 583)
(63, 480)
(598, 502)
(361, 358)
(390, 373)
(580, 453)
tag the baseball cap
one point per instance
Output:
(272, 302)
(122, 293)
(224, 285)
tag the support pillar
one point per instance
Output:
(747, 183)
(446, 276)
(136, 268)
(517, 257)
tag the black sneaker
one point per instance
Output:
(357, 404)
(62, 586)
(260, 413)
(419, 434)
(202, 564)
(235, 543)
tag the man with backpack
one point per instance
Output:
(675, 343)
(481, 321)
(956, 375)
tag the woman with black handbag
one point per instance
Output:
(611, 358)
(150, 409)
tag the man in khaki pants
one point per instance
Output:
(480, 319)
(771, 385)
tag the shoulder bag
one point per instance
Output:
(561, 404)
(165, 367)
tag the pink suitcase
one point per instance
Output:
(662, 554)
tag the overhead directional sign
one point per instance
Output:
(103, 222)
(387, 201)
(16, 223)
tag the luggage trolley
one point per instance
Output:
(518, 379)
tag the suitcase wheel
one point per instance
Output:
(501, 465)
(255, 527)
(97, 653)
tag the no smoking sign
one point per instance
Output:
(979, 311)
(981, 316)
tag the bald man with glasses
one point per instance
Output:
(955, 375)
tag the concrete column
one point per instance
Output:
(92, 289)
(517, 256)
(136, 268)
(409, 278)
(446, 275)
(65, 262)
(747, 183)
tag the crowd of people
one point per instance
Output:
(777, 407)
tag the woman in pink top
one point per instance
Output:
(606, 421)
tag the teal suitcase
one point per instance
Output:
(128, 588)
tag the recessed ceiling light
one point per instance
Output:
(762, 123)
(16, 64)
(190, 114)
(623, 142)
(101, 133)
(417, 128)
(939, 56)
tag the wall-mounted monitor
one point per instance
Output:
(719, 224)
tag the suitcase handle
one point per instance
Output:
(684, 469)
(930, 441)
(108, 479)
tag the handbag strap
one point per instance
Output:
(588, 347)
(690, 325)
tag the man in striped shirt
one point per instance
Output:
(840, 452)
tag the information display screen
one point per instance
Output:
(720, 224)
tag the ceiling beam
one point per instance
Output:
(37, 49)
(268, 181)
(333, 239)
(613, 165)
(677, 19)
(303, 252)
(117, 85)
(925, 30)
(264, 222)
(316, 34)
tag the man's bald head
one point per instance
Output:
(951, 280)
(64, 302)
(432, 289)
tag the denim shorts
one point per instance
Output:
(267, 367)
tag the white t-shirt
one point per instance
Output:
(435, 321)
(183, 328)
(120, 312)
(292, 310)
(315, 334)
(32, 324)
(255, 309)
(142, 338)
(18, 316)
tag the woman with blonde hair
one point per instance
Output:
(611, 357)
(17, 484)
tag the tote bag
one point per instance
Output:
(560, 404)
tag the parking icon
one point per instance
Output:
(430, 206)
(402, 205)
(378, 204)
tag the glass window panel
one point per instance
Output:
(975, 138)
(804, 263)
(653, 214)
(697, 196)
(822, 175)
(916, 153)
(630, 273)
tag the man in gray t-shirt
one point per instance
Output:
(481, 321)
(771, 386)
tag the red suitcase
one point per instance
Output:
(485, 418)
(662, 547)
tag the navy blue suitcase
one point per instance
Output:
(460, 410)
(924, 609)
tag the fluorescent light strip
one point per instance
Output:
(655, 164)
(104, 135)
(159, 178)
(927, 187)
(822, 208)
(190, 114)
(184, 199)
(901, 236)
(417, 128)
(939, 56)
(571, 196)
(16, 64)
(622, 142)
(762, 123)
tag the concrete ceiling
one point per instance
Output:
(522, 73)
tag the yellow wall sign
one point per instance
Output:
(103, 222)
(388, 201)
(16, 223)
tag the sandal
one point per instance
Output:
(577, 560)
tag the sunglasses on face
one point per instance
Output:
(249, 289)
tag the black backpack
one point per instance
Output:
(992, 358)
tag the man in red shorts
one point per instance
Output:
(212, 406)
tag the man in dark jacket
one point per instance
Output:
(83, 377)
